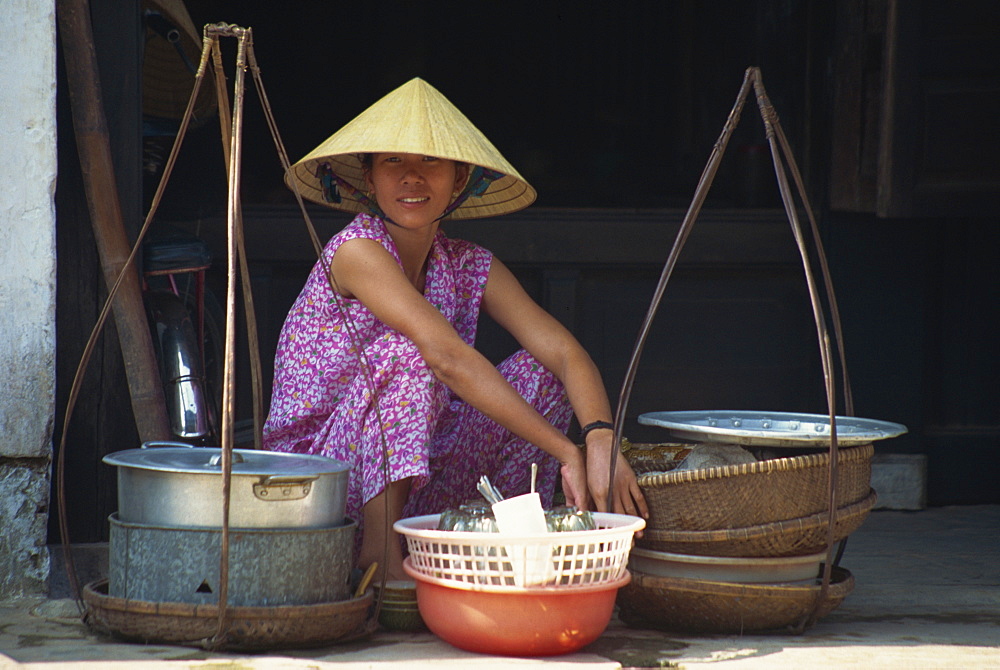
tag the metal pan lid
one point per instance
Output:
(208, 460)
(770, 429)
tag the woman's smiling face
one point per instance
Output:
(413, 190)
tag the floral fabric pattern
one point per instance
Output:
(322, 395)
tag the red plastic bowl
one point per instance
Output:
(515, 621)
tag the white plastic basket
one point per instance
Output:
(574, 558)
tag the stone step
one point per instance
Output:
(900, 481)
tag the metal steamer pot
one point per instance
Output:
(174, 484)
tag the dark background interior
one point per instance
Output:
(597, 104)
(610, 110)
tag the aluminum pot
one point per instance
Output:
(173, 484)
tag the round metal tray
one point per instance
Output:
(770, 429)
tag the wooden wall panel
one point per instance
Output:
(915, 89)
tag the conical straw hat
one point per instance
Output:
(415, 118)
(167, 78)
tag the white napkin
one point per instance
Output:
(523, 516)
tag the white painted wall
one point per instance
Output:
(27, 289)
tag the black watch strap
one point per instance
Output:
(594, 426)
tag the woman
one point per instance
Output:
(377, 357)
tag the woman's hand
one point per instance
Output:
(574, 480)
(628, 496)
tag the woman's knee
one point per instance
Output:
(400, 366)
(533, 381)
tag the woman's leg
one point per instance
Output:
(409, 401)
(468, 445)
(379, 543)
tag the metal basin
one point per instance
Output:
(267, 567)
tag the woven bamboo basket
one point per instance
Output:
(789, 537)
(738, 496)
(250, 628)
(699, 606)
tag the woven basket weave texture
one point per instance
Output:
(250, 628)
(789, 537)
(698, 606)
(738, 496)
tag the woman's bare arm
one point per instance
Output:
(366, 271)
(556, 348)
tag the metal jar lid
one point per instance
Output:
(207, 460)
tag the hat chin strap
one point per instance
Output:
(479, 181)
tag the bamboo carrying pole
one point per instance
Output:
(783, 160)
(91, 130)
(79, 29)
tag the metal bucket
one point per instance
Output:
(267, 567)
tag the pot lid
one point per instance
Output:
(208, 460)
(770, 429)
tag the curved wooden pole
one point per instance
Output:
(92, 142)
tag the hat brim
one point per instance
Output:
(167, 80)
(416, 119)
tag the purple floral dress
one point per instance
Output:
(322, 402)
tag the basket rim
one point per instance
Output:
(841, 583)
(703, 560)
(771, 465)
(609, 526)
(96, 599)
(766, 529)
(552, 589)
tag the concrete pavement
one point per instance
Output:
(927, 595)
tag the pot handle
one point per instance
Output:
(283, 487)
